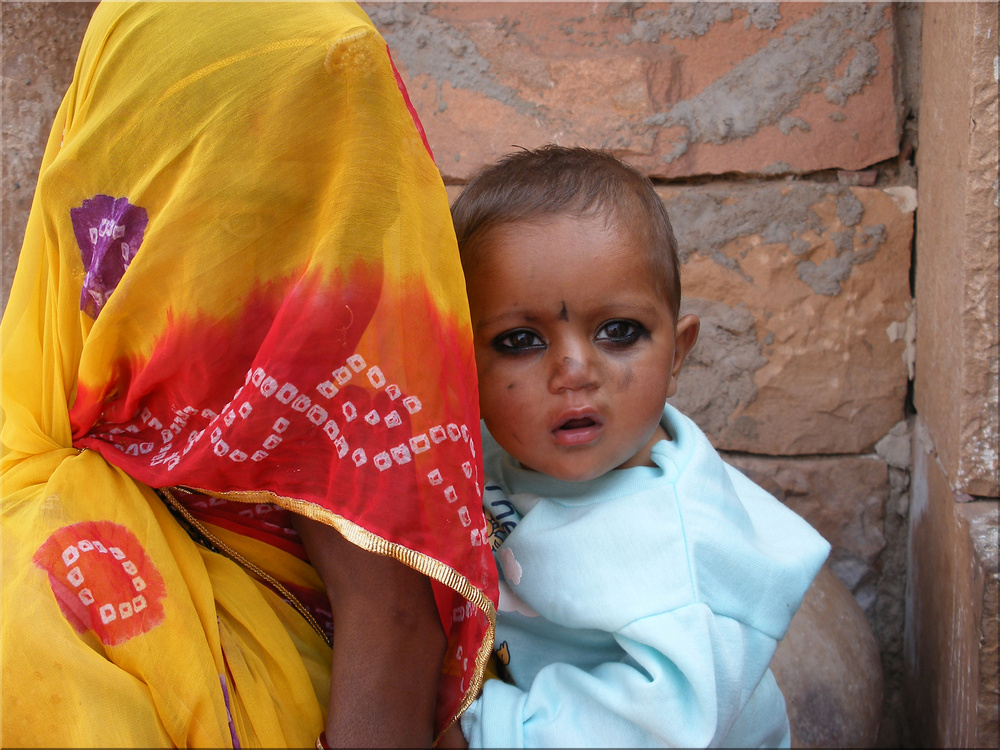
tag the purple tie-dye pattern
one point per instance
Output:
(109, 232)
(229, 714)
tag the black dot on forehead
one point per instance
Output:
(564, 313)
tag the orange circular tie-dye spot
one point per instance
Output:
(103, 580)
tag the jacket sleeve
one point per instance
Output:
(684, 682)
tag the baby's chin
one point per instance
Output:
(572, 474)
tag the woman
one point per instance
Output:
(237, 342)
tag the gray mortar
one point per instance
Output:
(776, 168)
(427, 45)
(685, 20)
(718, 373)
(787, 124)
(849, 209)
(767, 86)
(705, 222)
(871, 238)
(843, 242)
(799, 247)
(859, 71)
(826, 277)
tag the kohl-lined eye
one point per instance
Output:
(518, 342)
(621, 332)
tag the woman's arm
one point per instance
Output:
(388, 644)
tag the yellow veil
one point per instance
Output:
(238, 282)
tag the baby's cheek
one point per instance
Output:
(509, 399)
(624, 379)
(499, 395)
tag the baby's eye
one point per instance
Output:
(620, 332)
(518, 342)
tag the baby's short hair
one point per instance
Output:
(550, 180)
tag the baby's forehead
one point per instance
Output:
(491, 254)
(614, 227)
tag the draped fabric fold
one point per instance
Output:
(239, 285)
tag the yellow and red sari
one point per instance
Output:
(239, 297)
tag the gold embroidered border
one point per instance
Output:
(236, 557)
(365, 539)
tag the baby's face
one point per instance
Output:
(576, 350)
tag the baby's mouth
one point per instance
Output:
(577, 430)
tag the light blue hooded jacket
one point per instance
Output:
(641, 608)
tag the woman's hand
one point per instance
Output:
(388, 644)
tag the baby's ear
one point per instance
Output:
(687, 335)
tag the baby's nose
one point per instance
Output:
(572, 373)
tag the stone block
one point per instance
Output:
(980, 521)
(951, 651)
(956, 391)
(828, 669)
(843, 498)
(803, 292)
(40, 44)
(677, 89)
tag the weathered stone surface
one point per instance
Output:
(675, 88)
(981, 520)
(843, 498)
(40, 44)
(828, 669)
(956, 388)
(804, 297)
(951, 629)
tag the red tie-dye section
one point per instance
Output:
(199, 363)
(264, 522)
(297, 411)
(409, 106)
(103, 580)
(273, 401)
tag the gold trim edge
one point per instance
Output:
(434, 569)
(167, 494)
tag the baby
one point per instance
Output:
(644, 583)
